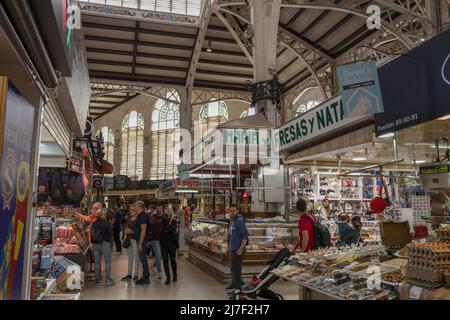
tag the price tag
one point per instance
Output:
(415, 292)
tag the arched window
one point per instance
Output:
(214, 109)
(305, 107)
(108, 143)
(213, 114)
(165, 119)
(249, 112)
(132, 146)
(165, 115)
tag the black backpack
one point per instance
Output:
(322, 236)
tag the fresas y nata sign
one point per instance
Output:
(313, 123)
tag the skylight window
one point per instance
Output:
(183, 7)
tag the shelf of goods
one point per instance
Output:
(345, 273)
(207, 242)
(41, 286)
(61, 282)
(57, 235)
(421, 205)
(370, 231)
(346, 189)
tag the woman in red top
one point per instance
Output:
(305, 228)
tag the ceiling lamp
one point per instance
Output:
(387, 135)
(359, 159)
(420, 161)
(209, 49)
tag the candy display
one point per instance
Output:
(344, 273)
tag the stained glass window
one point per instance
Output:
(214, 109)
(212, 115)
(166, 114)
(248, 112)
(165, 119)
(132, 145)
(305, 107)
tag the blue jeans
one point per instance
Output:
(156, 247)
(102, 249)
(144, 262)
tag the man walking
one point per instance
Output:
(237, 241)
(141, 235)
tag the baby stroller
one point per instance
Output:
(258, 288)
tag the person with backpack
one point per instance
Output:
(102, 239)
(306, 240)
(142, 232)
(312, 234)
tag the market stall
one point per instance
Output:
(207, 241)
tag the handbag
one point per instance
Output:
(126, 242)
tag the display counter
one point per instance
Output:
(351, 273)
(208, 249)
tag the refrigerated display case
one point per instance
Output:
(208, 248)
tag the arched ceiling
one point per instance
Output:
(313, 35)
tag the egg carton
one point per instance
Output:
(428, 249)
(443, 236)
(425, 274)
(429, 263)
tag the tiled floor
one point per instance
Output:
(193, 284)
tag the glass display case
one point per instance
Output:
(207, 242)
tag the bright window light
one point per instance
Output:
(183, 7)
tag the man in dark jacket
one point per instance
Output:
(352, 235)
(141, 235)
(117, 227)
(237, 241)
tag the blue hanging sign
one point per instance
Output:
(360, 89)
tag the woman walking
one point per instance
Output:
(132, 249)
(169, 245)
(102, 238)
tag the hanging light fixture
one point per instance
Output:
(209, 49)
